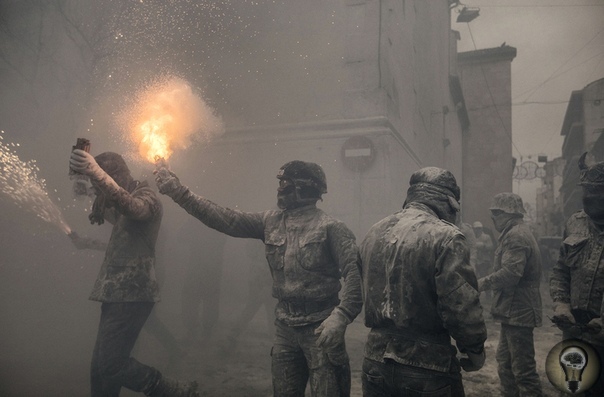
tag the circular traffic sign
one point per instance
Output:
(358, 153)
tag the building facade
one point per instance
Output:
(487, 145)
(583, 131)
(368, 89)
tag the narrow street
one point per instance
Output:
(244, 369)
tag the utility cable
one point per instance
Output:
(597, 71)
(558, 69)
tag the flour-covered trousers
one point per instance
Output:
(391, 379)
(296, 359)
(112, 367)
(516, 362)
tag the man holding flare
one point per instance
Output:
(308, 253)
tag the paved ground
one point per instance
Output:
(243, 369)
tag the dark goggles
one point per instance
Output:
(497, 212)
(283, 183)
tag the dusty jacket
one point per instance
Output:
(128, 271)
(578, 276)
(516, 277)
(307, 250)
(420, 290)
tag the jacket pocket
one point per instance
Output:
(503, 299)
(275, 250)
(574, 246)
(312, 246)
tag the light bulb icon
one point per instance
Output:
(573, 360)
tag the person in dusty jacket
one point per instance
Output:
(126, 283)
(308, 252)
(419, 292)
(577, 278)
(515, 281)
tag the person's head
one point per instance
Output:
(436, 188)
(115, 166)
(477, 227)
(505, 207)
(591, 181)
(300, 183)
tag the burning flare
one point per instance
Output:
(155, 142)
(166, 116)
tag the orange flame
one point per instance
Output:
(154, 141)
(166, 116)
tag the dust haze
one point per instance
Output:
(69, 69)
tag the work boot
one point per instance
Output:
(167, 387)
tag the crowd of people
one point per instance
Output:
(418, 274)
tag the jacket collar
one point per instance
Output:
(511, 223)
(421, 207)
(300, 210)
(594, 228)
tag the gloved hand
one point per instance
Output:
(595, 325)
(83, 163)
(474, 362)
(167, 181)
(76, 240)
(562, 314)
(332, 329)
(83, 243)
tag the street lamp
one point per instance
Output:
(468, 14)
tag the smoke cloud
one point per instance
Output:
(167, 115)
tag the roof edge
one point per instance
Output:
(503, 53)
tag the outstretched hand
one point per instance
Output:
(160, 162)
(77, 241)
(167, 181)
